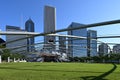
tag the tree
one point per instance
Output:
(6, 53)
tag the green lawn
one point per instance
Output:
(59, 71)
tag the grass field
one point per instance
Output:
(59, 71)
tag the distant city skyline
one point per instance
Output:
(16, 12)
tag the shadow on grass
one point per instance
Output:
(101, 77)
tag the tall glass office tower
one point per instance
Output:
(29, 27)
(77, 47)
(49, 25)
(92, 43)
(16, 44)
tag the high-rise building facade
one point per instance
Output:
(29, 27)
(77, 47)
(49, 24)
(116, 48)
(91, 43)
(16, 44)
(62, 44)
(103, 49)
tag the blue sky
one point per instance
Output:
(16, 12)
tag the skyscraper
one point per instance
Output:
(49, 24)
(77, 47)
(103, 49)
(62, 44)
(16, 44)
(91, 43)
(29, 27)
(116, 48)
